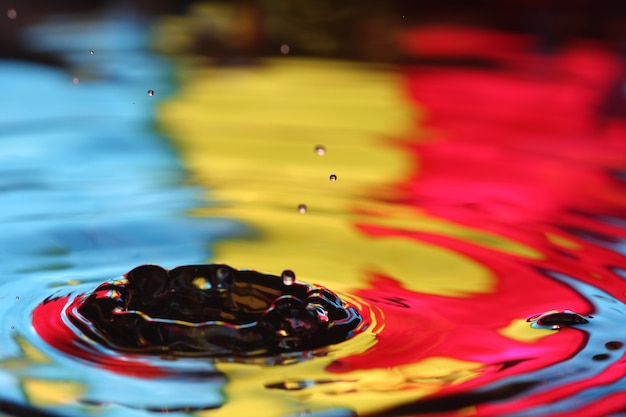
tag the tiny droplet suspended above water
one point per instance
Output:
(150, 93)
(333, 177)
(302, 208)
(320, 150)
(91, 52)
(17, 298)
(289, 277)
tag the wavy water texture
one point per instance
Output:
(477, 221)
(491, 198)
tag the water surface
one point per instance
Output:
(466, 203)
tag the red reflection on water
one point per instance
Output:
(516, 151)
(49, 325)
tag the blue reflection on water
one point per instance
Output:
(88, 190)
(84, 179)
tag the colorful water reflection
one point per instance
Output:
(466, 202)
(482, 198)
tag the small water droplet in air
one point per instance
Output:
(320, 150)
(75, 80)
(12, 327)
(17, 298)
(302, 208)
(333, 177)
(150, 93)
(11, 13)
(91, 52)
(289, 277)
(284, 49)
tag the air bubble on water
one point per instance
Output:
(284, 49)
(333, 177)
(289, 277)
(150, 93)
(302, 208)
(11, 14)
(320, 150)
(75, 80)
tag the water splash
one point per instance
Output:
(211, 311)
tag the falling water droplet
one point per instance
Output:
(302, 208)
(17, 298)
(91, 52)
(289, 277)
(12, 327)
(11, 14)
(320, 150)
(284, 49)
(150, 93)
(75, 80)
(333, 177)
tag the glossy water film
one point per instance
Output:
(367, 214)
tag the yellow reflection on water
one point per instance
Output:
(248, 135)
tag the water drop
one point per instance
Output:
(333, 177)
(12, 327)
(11, 14)
(556, 320)
(17, 298)
(75, 80)
(289, 277)
(224, 279)
(284, 49)
(91, 52)
(320, 150)
(150, 93)
(302, 208)
(613, 345)
(319, 311)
